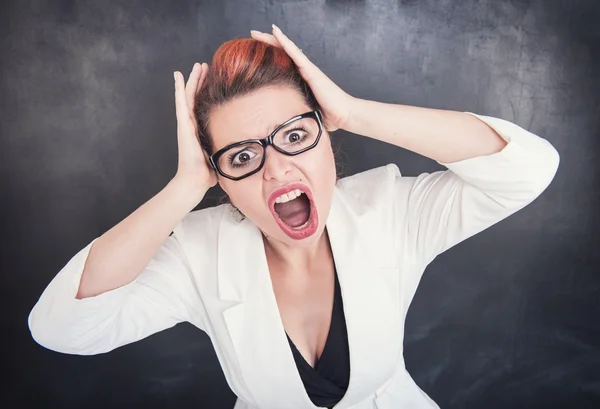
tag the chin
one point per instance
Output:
(304, 242)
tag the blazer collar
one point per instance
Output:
(371, 306)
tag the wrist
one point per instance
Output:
(188, 189)
(355, 113)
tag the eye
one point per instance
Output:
(241, 158)
(296, 135)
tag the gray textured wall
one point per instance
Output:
(507, 319)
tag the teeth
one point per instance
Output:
(301, 227)
(286, 197)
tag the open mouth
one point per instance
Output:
(294, 211)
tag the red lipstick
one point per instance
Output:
(310, 226)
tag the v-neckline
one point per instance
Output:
(327, 340)
(368, 281)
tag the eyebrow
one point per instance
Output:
(269, 130)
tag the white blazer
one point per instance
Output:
(384, 230)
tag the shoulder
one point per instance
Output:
(368, 201)
(201, 224)
(371, 186)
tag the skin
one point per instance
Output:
(254, 116)
(302, 272)
(442, 135)
(250, 116)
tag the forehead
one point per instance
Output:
(255, 115)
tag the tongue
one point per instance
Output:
(295, 212)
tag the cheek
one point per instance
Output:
(323, 166)
(321, 172)
(243, 195)
(234, 191)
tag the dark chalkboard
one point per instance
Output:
(507, 319)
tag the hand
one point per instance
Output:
(193, 166)
(335, 103)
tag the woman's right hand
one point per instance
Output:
(193, 167)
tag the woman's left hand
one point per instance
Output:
(334, 101)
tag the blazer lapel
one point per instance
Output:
(370, 297)
(254, 324)
(370, 285)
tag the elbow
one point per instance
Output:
(42, 333)
(531, 180)
(553, 162)
(45, 334)
(58, 337)
(56, 342)
(547, 166)
(540, 173)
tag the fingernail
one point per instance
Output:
(174, 76)
(276, 28)
(255, 32)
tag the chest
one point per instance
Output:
(305, 304)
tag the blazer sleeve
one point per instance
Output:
(163, 295)
(443, 208)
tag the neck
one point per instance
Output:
(294, 260)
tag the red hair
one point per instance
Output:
(239, 67)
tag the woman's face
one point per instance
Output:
(296, 221)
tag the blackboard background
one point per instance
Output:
(507, 319)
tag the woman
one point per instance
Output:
(304, 288)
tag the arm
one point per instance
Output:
(441, 135)
(127, 284)
(119, 255)
(495, 168)
(134, 280)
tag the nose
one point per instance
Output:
(277, 165)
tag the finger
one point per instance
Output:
(310, 72)
(192, 85)
(290, 47)
(203, 70)
(203, 75)
(265, 38)
(181, 107)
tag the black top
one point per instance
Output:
(327, 382)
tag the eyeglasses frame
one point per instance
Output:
(265, 142)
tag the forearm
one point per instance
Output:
(119, 255)
(442, 135)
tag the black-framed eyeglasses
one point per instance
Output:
(293, 137)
